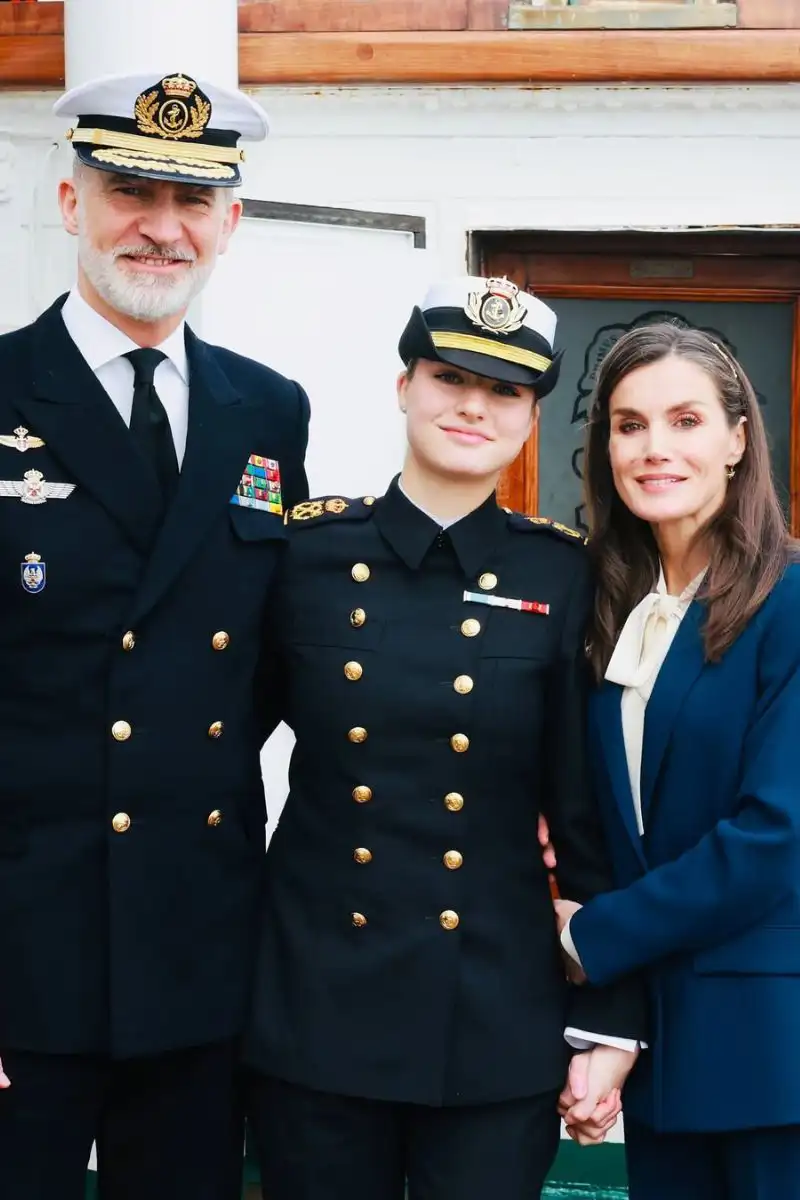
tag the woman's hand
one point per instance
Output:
(591, 1100)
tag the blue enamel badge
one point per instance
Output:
(33, 573)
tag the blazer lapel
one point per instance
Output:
(222, 434)
(608, 715)
(679, 671)
(74, 415)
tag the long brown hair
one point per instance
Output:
(748, 542)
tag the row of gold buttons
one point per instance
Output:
(220, 640)
(452, 859)
(121, 731)
(358, 734)
(463, 684)
(449, 919)
(453, 801)
(121, 822)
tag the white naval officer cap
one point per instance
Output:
(174, 127)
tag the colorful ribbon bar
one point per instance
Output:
(532, 606)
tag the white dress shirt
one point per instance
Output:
(104, 346)
(639, 654)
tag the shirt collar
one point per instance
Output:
(411, 532)
(100, 342)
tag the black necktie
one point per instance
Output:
(149, 422)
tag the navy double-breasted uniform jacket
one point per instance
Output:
(408, 946)
(131, 800)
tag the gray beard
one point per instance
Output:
(145, 298)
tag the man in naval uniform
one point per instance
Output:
(143, 479)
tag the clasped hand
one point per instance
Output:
(592, 1097)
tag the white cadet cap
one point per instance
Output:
(452, 293)
(174, 128)
(489, 327)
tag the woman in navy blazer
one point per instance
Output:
(695, 732)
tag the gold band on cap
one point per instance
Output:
(131, 141)
(444, 340)
(135, 160)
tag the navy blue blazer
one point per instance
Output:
(130, 855)
(709, 900)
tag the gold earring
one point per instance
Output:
(730, 472)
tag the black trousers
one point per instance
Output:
(316, 1146)
(166, 1126)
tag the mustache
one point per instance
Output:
(167, 252)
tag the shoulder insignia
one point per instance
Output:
(521, 522)
(329, 507)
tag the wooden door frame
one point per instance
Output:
(721, 266)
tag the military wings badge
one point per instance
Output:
(33, 488)
(21, 440)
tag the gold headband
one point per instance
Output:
(726, 358)
(478, 345)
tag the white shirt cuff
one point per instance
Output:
(580, 1039)
(569, 945)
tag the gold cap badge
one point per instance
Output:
(175, 109)
(496, 308)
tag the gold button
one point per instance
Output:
(221, 640)
(471, 627)
(369, 501)
(459, 742)
(362, 855)
(121, 731)
(463, 684)
(215, 818)
(453, 860)
(454, 801)
(358, 919)
(362, 794)
(121, 823)
(129, 640)
(353, 670)
(449, 919)
(487, 581)
(357, 734)
(357, 618)
(360, 572)
(215, 730)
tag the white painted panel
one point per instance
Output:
(324, 305)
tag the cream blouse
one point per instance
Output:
(638, 657)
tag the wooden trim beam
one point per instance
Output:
(351, 16)
(721, 56)
(31, 18)
(32, 59)
(32, 55)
